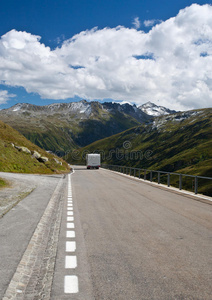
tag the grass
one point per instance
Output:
(3, 183)
(12, 160)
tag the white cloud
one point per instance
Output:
(136, 23)
(150, 23)
(170, 65)
(5, 96)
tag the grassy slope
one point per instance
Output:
(11, 160)
(183, 146)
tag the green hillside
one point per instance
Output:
(17, 154)
(65, 126)
(181, 142)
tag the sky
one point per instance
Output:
(115, 50)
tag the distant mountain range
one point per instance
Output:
(60, 127)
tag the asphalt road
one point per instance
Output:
(135, 241)
(119, 239)
(19, 224)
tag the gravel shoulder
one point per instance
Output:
(18, 189)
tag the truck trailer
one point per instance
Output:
(93, 161)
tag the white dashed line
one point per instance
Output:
(70, 225)
(70, 262)
(70, 234)
(70, 246)
(71, 285)
(70, 213)
(70, 281)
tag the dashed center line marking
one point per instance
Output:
(70, 281)
(70, 225)
(71, 284)
(70, 234)
(70, 246)
(71, 262)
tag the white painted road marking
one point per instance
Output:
(71, 284)
(70, 225)
(71, 262)
(70, 246)
(70, 213)
(70, 234)
(70, 281)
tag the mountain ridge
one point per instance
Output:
(60, 127)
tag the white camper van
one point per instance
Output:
(93, 161)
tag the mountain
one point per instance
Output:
(154, 110)
(181, 142)
(21, 156)
(61, 127)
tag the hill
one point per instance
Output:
(60, 127)
(179, 142)
(21, 156)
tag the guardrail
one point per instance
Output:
(145, 173)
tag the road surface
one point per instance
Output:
(118, 239)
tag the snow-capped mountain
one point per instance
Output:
(64, 126)
(152, 109)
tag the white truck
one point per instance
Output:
(93, 161)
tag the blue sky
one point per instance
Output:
(86, 67)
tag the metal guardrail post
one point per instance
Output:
(196, 185)
(158, 177)
(139, 175)
(130, 171)
(180, 181)
(168, 180)
(144, 174)
(134, 172)
(151, 176)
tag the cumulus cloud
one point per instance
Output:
(170, 65)
(136, 23)
(5, 96)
